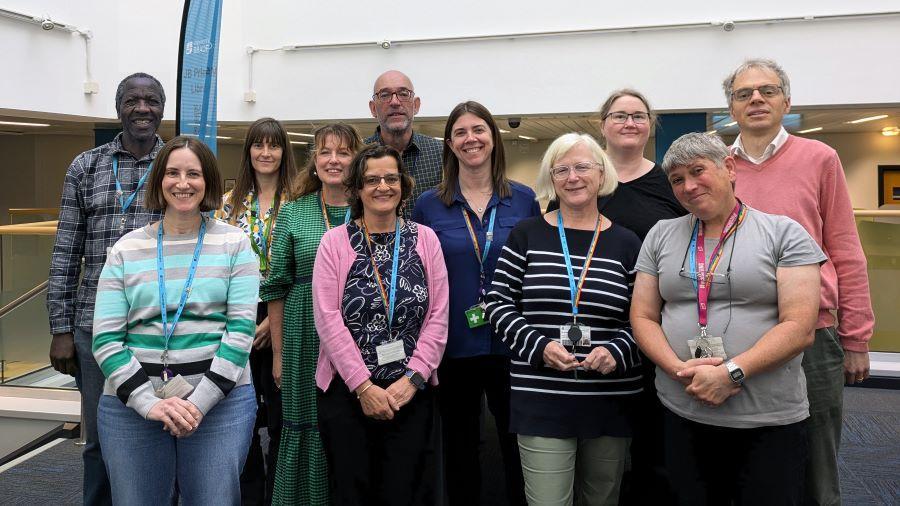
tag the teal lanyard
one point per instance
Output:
(123, 202)
(481, 255)
(161, 278)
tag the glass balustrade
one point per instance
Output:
(26, 249)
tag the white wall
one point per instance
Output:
(830, 62)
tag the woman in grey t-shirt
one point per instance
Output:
(724, 303)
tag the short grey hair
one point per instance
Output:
(757, 63)
(690, 147)
(558, 148)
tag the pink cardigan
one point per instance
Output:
(337, 349)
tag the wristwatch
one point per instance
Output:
(415, 378)
(735, 373)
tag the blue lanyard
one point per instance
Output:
(489, 238)
(575, 289)
(392, 298)
(161, 275)
(126, 203)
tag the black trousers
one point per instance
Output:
(375, 462)
(464, 382)
(712, 465)
(647, 481)
(258, 476)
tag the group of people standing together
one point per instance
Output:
(363, 307)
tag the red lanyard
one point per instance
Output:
(704, 276)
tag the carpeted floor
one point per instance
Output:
(870, 460)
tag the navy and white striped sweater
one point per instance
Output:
(528, 302)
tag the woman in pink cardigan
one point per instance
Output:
(380, 302)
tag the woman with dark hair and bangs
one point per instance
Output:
(264, 184)
(301, 476)
(472, 212)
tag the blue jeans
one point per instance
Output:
(145, 462)
(89, 379)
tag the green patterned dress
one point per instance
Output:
(301, 476)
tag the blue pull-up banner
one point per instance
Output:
(198, 69)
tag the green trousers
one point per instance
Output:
(558, 471)
(823, 364)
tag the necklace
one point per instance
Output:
(481, 202)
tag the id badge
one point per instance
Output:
(578, 334)
(390, 352)
(707, 347)
(475, 316)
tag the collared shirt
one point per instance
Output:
(247, 221)
(774, 146)
(462, 264)
(89, 218)
(422, 159)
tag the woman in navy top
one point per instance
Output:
(473, 211)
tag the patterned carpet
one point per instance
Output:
(870, 460)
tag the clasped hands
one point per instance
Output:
(599, 359)
(381, 403)
(180, 417)
(706, 380)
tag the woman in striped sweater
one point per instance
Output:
(181, 365)
(560, 301)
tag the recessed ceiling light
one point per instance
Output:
(300, 134)
(870, 118)
(808, 130)
(730, 124)
(19, 123)
(890, 131)
(222, 137)
(502, 131)
(527, 138)
(711, 132)
(440, 139)
(299, 142)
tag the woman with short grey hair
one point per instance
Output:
(726, 325)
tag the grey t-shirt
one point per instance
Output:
(743, 306)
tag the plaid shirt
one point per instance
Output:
(89, 219)
(422, 159)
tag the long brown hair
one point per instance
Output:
(307, 181)
(450, 184)
(262, 130)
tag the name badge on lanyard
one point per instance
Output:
(393, 350)
(185, 292)
(705, 346)
(475, 316)
(575, 334)
(124, 203)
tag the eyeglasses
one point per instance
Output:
(389, 179)
(639, 118)
(385, 96)
(561, 172)
(766, 90)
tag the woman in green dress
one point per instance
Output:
(301, 476)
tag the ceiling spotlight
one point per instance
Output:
(870, 118)
(385, 44)
(46, 24)
(890, 131)
(728, 26)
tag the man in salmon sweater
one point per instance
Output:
(801, 178)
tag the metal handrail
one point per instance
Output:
(22, 299)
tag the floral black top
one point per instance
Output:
(363, 305)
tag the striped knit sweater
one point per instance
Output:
(211, 343)
(528, 302)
